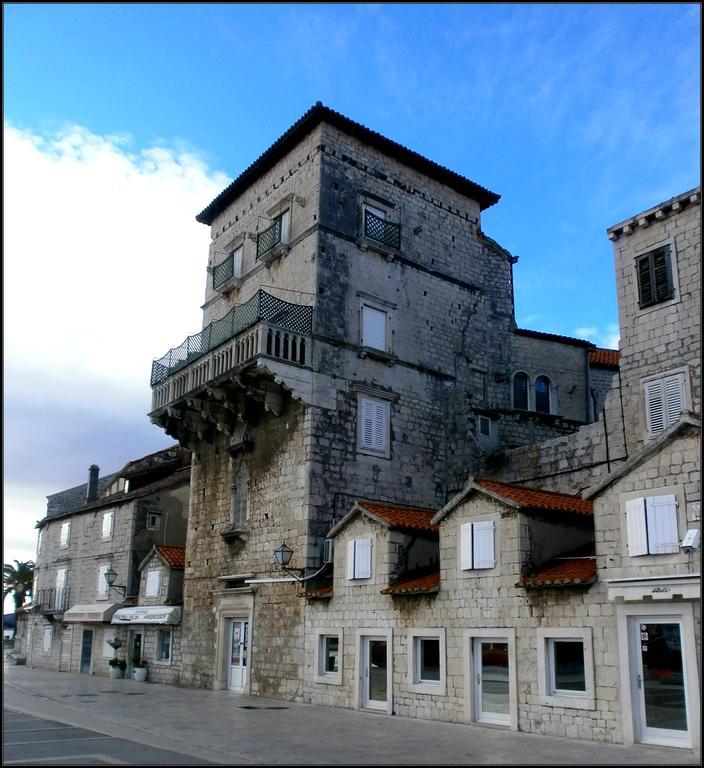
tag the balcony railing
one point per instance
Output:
(223, 271)
(270, 237)
(52, 600)
(263, 325)
(384, 232)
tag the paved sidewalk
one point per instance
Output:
(225, 728)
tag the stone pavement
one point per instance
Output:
(226, 728)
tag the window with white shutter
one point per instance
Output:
(652, 525)
(359, 559)
(46, 640)
(477, 550)
(665, 399)
(153, 584)
(65, 533)
(373, 427)
(102, 583)
(107, 524)
(373, 328)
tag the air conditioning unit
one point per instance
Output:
(327, 551)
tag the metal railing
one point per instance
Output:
(223, 271)
(270, 237)
(53, 600)
(261, 307)
(384, 232)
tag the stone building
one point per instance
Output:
(358, 342)
(111, 522)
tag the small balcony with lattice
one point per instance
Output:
(380, 234)
(265, 338)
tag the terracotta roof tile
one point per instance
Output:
(174, 556)
(402, 517)
(604, 358)
(414, 585)
(562, 572)
(530, 498)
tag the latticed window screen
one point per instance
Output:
(374, 418)
(377, 228)
(542, 394)
(664, 402)
(520, 391)
(240, 485)
(654, 277)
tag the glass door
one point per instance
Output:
(491, 681)
(237, 650)
(375, 690)
(86, 650)
(661, 711)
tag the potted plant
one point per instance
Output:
(140, 669)
(117, 668)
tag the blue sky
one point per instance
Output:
(123, 121)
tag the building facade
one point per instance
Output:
(358, 341)
(108, 523)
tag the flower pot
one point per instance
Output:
(116, 673)
(140, 674)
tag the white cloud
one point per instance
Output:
(104, 268)
(608, 337)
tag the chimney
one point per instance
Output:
(92, 493)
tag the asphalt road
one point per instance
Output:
(29, 740)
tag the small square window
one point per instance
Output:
(566, 665)
(427, 652)
(359, 559)
(153, 521)
(652, 525)
(153, 584)
(426, 661)
(329, 654)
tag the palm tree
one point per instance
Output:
(19, 580)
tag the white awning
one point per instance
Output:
(97, 613)
(152, 614)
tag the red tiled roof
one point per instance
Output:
(174, 556)
(562, 572)
(402, 517)
(604, 358)
(414, 585)
(320, 592)
(530, 498)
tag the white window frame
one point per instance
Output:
(414, 681)
(558, 698)
(381, 408)
(677, 377)
(640, 516)
(321, 636)
(157, 650)
(103, 590)
(65, 535)
(368, 310)
(152, 573)
(354, 568)
(468, 544)
(108, 515)
(151, 516)
(46, 646)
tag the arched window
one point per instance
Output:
(520, 391)
(542, 394)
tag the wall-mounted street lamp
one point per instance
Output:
(283, 557)
(110, 576)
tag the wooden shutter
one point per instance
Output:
(373, 328)
(107, 524)
(655, 407)
(483, 544)
(237, 262)
(466, 546)
(635, 523)
(662, 279)
(373, 430)
(350, 559)
(379, 442)
(674, 398)
(102, 584)
(363, 559)
(661, 516)
(645, 282)
(367, 427)
(152, 586)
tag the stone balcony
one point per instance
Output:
(263, 337)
